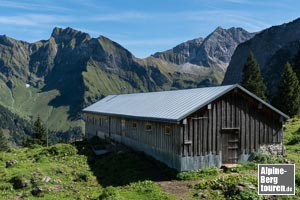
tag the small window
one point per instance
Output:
(168, 130)
(148, 127)
(134, 125)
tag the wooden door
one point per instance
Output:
(230, 145)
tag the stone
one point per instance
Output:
(36, 191)
(10, 163)
(46, 179)
(271, 149)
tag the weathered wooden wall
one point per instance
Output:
(202, 134)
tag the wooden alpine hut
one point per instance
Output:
(191, 128)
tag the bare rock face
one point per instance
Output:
(272, 48)
(214, 51)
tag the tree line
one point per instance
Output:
(287, 96)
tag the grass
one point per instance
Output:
(73, 175)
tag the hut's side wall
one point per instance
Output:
(202, 134)
(156, 142)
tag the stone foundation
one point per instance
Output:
(272, 149)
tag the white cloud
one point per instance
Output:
(122, 16)
(33, 19)
(32, 6)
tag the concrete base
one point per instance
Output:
(172, 160)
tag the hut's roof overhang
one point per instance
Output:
(166, 106)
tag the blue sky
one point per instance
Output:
(142, 26)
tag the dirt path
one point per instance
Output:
(180, 189)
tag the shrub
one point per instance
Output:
(110, 193)
(230, 186)
(294, 140)
(61, 150)
(265, 158)
(248, 194)
(82, 176)
(19, 182)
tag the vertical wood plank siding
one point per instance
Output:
(233, 110)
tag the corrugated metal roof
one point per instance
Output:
(166, 106)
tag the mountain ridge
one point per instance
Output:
(57, 77)
(213, 51)
(272, 48)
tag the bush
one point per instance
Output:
(61, 150)
(81, 176)
(294, 140)
(248, 194)
(110, 193)
(265, 158)
(228, 185)
(19, 182)
(195, 174)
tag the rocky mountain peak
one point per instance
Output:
(67, 34)
(214, 51)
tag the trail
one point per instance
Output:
(12, 99)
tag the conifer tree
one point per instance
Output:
(3, 141)
(39, 132)
(252, 79)
(287, 98)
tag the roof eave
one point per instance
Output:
(157, 119)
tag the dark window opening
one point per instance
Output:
(148, 127)
(134, 125)
(168, 130)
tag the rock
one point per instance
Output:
(242, 186)
(10, 163)
(36, 191)
(56, 181)
(202, 195)
(214, 51)
(271, 149)
(46, 179)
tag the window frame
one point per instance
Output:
(146, 125)
(170, 130)
(134, 125)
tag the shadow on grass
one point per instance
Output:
(124, 166)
